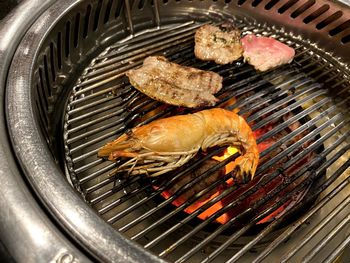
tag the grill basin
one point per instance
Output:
(101, 97)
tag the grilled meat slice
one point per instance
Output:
(174, 84)
(265, 53)
(220, 44)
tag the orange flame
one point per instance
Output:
(219, 205)
(225, 217)
(228, 152)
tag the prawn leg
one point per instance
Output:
(166, 144)
(150, 165)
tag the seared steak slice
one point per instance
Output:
(220, 44)
(175, 84)
(265, 53)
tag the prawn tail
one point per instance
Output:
(245, 166)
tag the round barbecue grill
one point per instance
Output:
(66, 95)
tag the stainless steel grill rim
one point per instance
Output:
(43, 240)
(34, 138)
(88, 229)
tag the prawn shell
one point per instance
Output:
(178, 138)
(174, 134)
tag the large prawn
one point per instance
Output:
(165, 144)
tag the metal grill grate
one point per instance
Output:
(311, 94)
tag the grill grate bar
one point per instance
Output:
(97, 173)
(184, 221)
(292, 228)
(123, 184)
(242, 230)
(320, 68)
(189, 217)
(234, 237)
(94, 95)
(308, 65)
(302, 114)
(253, 86)
(120, 55)
(88, 166)
(144, 38)
(327, 183)
(101, 138)
(99, 185)
(184, 205)
(86, 155)
(309, 124)
(300, 142)
(75, 110)
(322, 224)
(142, 53)
(92, 113)
(269, 76)
(96, 140)
(338, 189)
(301, 128)
(186, 187)
(162, 187)
(262, 182)
(181, 191)
(337, 251)
(92, 104)
(125, 197)
(105, 68)
(270, 95)
(304, 59)
(284, 101)
(294, 84)
(158, 115)
(268, 229)
(288, 108)
(342, 122)
(305, 125)
(100, 119)
(143, 35)
(120, 119)
(91, 132)
(288, 232)
(115, 71)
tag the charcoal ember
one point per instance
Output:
(203, 184)
(263, 193)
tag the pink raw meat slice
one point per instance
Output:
(265, 53)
